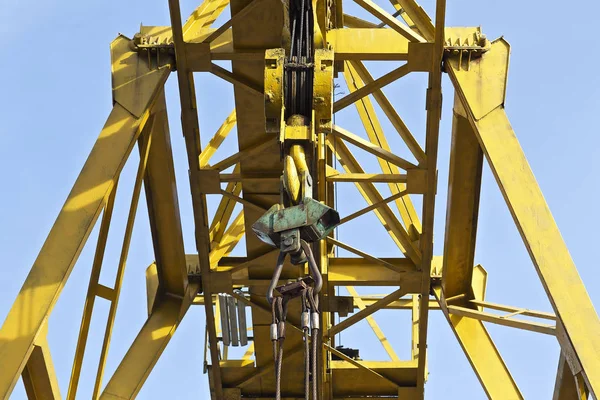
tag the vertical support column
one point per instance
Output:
(326, 319)
(415, 327)
(464, 186)
(434, 114)
(482, 90)
(191, 132)
(160, 189)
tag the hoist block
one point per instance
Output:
(314, 219)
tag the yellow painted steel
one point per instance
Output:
(391, 114)
(91, 296)
(253, 40)
(478, 346)
(374, 326)
(39, 377)
(217, 139)
(565, 387)
(530, 212)
(224, 211)
(230, 239)
(434, 115)
(73, 226)
(145, 143)
(163, 203)
(147, 347)
(416, 18)
(371, 194)
(377, 137)
(464, 183)
(548, 329)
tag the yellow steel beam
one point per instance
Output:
(244, 154)
(74, 224)
(369, 88)
(478, 346)
(203, 17)
(414, 337)
(229, 23)
(402, 304)
(372, 195)
(389, 19)
(238, 80)
(341, 271)
(243, 201)
(378, 305)
(247, 263)
(248, 35)
(39, 377)
(91, 296)
(405, 303)
(352, 21)
(191, 132)
(502, 320)
(217, 139)
(353, 178)
(416, 18)
(163, 204)
(249, 352)
(434, 115)
(376, 135)
(353, 382)
(364, 255)
(356, 363)
(147, 347)
(514, 310)
(373, 324)
(566, 386)
(391, 114)
(238, 177)
(555, 267)
(464, 185)
(372, 148)
(152, 287)
(224, 212)
(230, 239)
(372, 207)
(362, 43)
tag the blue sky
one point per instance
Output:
(55, 77)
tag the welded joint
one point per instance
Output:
(199, 55)
(343, 305)
(416, 181)
(208, 181)
(221, 282)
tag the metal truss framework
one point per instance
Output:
(450, 283)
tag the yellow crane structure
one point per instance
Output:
(288, 141)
